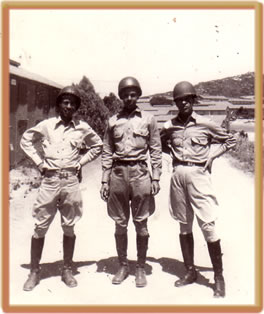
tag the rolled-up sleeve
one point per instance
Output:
(94, 143)
(29, 140)
(155, 149)
(227, 140)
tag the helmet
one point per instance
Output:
(69, 90)
(183, 89)
(128, 81)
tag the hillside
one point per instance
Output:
(234, 86)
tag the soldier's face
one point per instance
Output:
(67, 107)
(130, 97)
(185, 105)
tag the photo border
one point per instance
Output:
(258, 8)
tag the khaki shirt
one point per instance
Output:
(130, 138)
(60, 144)
(191, 141)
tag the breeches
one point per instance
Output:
(130, 188)
(57, 194)
(191, 194)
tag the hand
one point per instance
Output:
(79, 172)
(104, 191)
(41, 168)
(208, 165)
(155, 187)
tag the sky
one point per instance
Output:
(158, 47)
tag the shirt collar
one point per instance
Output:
(123, 113)
(59, 121)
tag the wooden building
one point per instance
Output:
(32, 99)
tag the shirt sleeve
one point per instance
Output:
(31, 143)
(155, 149)
(164, 140)
(107, 154)
(94, 143)
(219, 134)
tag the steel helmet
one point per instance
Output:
(183, 89)
(128, 81)
(69, 90)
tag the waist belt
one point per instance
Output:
(129, 162)
(188, 163)
(63, 173)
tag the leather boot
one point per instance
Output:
(68, 249)
(142, 247)
(187, 247)
(121, 248)
(36, 252)
(215, 253)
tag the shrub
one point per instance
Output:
(243, 155)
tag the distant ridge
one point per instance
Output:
(234, 86)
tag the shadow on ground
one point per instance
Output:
(110, 266)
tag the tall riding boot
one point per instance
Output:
(68, 249)
(142, 247)
(187, 248)
(215, 253)
(36, 252)
(121, 248)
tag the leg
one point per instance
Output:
(142, 247)
(118, 210)
(70, 206)
(187, 248)
(214, 248)
(121, 248)
(215, 253)
(68, 249)
(44, 211)
(36, 252)
(142, 205)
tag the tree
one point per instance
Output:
(92, 109)
(113, 104)
(160, 100)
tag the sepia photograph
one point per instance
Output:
(132, 157)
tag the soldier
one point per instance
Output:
(187, 138)
(126, 182)
(61, 138)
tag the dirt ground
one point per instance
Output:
(95, 256)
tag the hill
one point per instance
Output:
(235, 86)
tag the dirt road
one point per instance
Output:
(95, 255)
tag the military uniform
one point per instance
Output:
(188, 138)
(131, 137)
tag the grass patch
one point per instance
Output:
(243, 155)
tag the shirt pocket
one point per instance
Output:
(200, 141)
(177, 141)
(118, 133)
(76, 143)
(199, 145)
(141, 136)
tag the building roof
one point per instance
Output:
(14, 69)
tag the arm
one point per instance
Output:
(155, 151)
(227, 142)
(28, 142)
(94, 143)
(107, 162)
(164, 141)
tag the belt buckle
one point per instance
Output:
(63, 175)
(189, 163)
